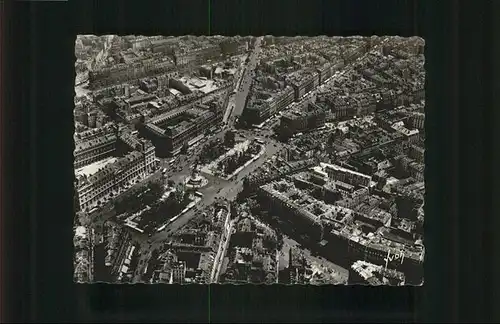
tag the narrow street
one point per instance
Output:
(220, 260)
(232, 97)
(246, 81)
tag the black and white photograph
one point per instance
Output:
(249, 160)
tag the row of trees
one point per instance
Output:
(210, 152)
(269, 242)
(216, 148)
(233, 162)
(230, 164)
(166, 209)
(135, 200)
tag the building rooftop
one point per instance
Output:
(116, 167)
(325, 166)
(400, 127)
(97, 141)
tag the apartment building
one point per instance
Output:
(94, 149)
(99, 187)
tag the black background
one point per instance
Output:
(37, 73)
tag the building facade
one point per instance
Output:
(303, 83)
(339, 173)
(299, 121)
(97, 188)
(94, 149)
(182, 127)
